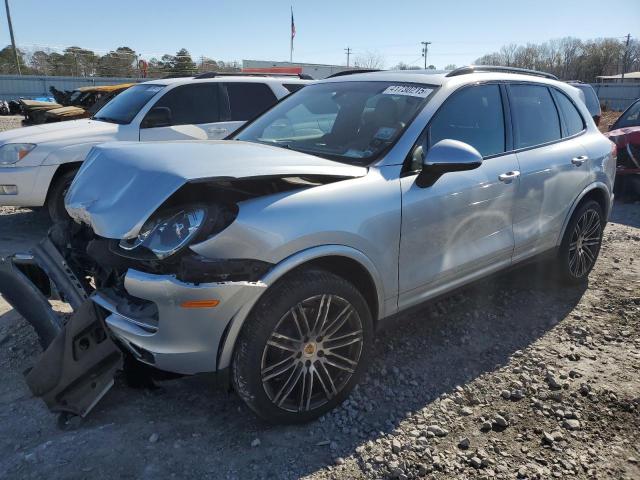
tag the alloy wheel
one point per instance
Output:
(585, 243)
(312, 353)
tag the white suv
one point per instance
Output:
(40, 161)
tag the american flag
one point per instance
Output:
(293, 26)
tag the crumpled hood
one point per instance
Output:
(66, 112)
(120, 185)
(38, 104)
(83, 130)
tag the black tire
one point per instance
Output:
(55, 199)
(272, 312)
(581, 243)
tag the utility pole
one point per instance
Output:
(13, 41)
(425, 50)
(348, 52)
(624, 57)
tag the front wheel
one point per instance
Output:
(55, 201)
(303, 348)
(581, 243)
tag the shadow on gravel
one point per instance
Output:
(626, 214)
(424, 354)
(21, 228)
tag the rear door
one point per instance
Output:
(461, 226)
(553, 163)
(194, 112)
(243, 101)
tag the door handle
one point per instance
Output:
(577, 161)
(217, 130)
(509, 176)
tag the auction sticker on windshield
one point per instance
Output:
(409, 90)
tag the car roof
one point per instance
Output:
(440, 78)
(228, 78)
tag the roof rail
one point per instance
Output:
(495, 68)
(178, 75)
(351, 72)
(302, 76)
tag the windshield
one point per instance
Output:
(352, 122)
(123, 108)
(630, 118)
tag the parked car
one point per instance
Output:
(629, 118)
(94, 99)
(40, 162)
(627, 141)
(590, 98)
(273, 257)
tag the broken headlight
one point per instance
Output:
(168, 233)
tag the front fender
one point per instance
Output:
(287, 265)
(72, 153)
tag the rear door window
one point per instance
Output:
(192, 104)
(534, 114)
(247, 100)
(572, 118)
(473, 115)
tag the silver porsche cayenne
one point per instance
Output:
(275, 255)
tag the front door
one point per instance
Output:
(194, 114)
(461, 226)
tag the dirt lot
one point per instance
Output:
(510, 378)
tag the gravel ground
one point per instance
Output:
(510, 378)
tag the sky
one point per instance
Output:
(460, 31)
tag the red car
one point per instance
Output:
(627, 140)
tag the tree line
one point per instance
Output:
(121, 62)
(570, 58)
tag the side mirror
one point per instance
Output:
(444, 157)
(157, 117)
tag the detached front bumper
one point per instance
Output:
(186, 334)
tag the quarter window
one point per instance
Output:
(192, 104)
(247, 100)
(572, 118)
(535, 116)
(293, 87)
(474, 116)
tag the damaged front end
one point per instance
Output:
(126, 269)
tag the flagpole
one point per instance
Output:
(291, 41)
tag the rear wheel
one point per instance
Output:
(303, 348)
(581, 242)
(55, 201)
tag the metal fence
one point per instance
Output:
(616, 96)
(29, 86)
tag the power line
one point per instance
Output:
(13, 40)
(624, 58)
(425, 51)
(348, 51)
